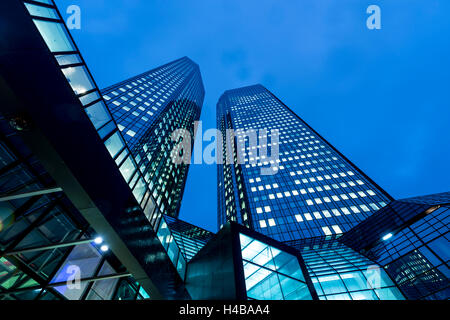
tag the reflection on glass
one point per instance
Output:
(79, 79)
(88, 98)
(332, 284)
(127, 168)
(82, 263)
(354, 281)
(271, 274)
(263, 285)
(144, 293)
(139, 190)
(39, 11)
(54, 35)
(65, 59)
(293, 289)
(364, 295)
(114, 144)
(103, 289)
(98, 114)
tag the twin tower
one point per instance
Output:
(90, 190)
(311, 189)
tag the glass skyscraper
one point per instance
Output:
(90, 179)
(313, 191)
(148, 108)
(356, 241)
(90, 191)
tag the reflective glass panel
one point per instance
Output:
(54, 35)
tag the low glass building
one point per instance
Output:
(238, 263)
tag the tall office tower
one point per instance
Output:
(311, 189)
(148, 109)
(74, 189)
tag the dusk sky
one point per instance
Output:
(381, 97)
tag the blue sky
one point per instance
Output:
(380, 96)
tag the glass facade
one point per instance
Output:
(135, 118)
(409, 239)
(357, 243)
(148, 109)
(189, 238)
(313, 189)
(174, 94)
(340, 273)
(181, 241)
(44, 241)
(415, 254)
(270, 273)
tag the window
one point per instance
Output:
(131, 133)
(114, 144)
(326, 230)
(336, 229)
(54, 35)
(79, 79)
(98, 114)
(271, 273)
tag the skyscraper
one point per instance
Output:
(356, 241)
(89, 191)
(313, 190)
(78, 196)
(148, 108)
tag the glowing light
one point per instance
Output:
(388, 236)
(98, 240)
(104, 248)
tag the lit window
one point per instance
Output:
(326, 213)
(262, 223)
(345, 210)
(271, 222)
(364, 208)
(355, 209)
(131, 133)
(326, 230)
(336, 229)
(336, 212)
